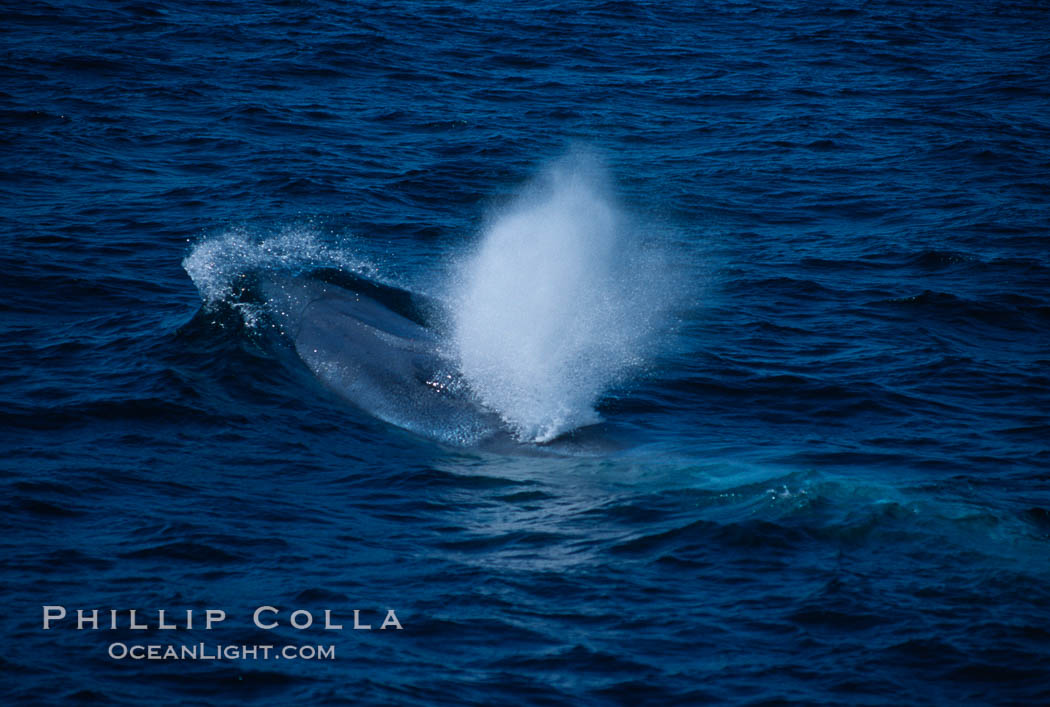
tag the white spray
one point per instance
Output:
(557, 303)
(220, 266)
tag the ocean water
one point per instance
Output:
(631, 353)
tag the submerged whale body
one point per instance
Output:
(363, 344)
(370, 344)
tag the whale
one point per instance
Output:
(369, 344)
(374, 346)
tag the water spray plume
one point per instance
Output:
(557, 303)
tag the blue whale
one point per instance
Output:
(384, 362)
(370, 344)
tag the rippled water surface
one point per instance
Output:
(633, 353)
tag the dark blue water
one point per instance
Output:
(631, 353)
